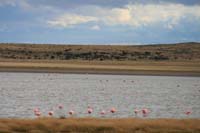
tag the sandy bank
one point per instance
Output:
(94, 67)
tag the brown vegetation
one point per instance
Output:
(175, 52)
(88, 125)
(166, 59)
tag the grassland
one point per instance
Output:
(173, 59)
(88, 125)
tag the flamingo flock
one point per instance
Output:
(102, 113)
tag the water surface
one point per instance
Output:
(164, 96)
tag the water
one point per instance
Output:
(164, 96)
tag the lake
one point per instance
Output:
(163, 96)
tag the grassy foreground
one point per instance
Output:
(88, 125)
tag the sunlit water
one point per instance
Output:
(164, 96)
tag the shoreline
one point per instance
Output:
(107, 68)
(101, 72)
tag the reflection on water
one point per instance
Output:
(163, 96)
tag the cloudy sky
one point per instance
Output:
(100, 21)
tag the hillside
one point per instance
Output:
(166, 59)
(169, 52)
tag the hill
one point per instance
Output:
(162, 59)
(171, 52)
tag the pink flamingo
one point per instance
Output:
(145, 112)
(90, 110)
(113, 110)
(50, 113)
(37, 113)
(103, 112)
(71, 112)
(60, 106)
(188, 113)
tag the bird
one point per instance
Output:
(60, 106)
(89, 110)
(113, 110)
(38, 113)
(103, 112)
(145, 112)
(50, 113)
(188, 112)
(71, 112)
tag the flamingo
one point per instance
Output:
(60, 106)
(103, 112)
(188, 113)
(90, 110)
(50, 113)
(113, 110)
(71, 112)
(145, 112)
(38, 113)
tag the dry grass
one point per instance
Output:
(88, 125)
(175, 52)
(182, 59)
(109, 67)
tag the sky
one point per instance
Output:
(121, 22)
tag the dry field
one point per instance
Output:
(93, 125)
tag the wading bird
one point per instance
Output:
(71, 112)
(145, 112)
(50, 113)
(60, 106)
(103, 112)
(113, 110)
(188, 113)
(37, 112)
(89, 110)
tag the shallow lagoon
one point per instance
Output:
(164, 96)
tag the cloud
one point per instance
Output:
(68, 20)
(102, 3)
(8, 2)
(132, 15)
(95, 27)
